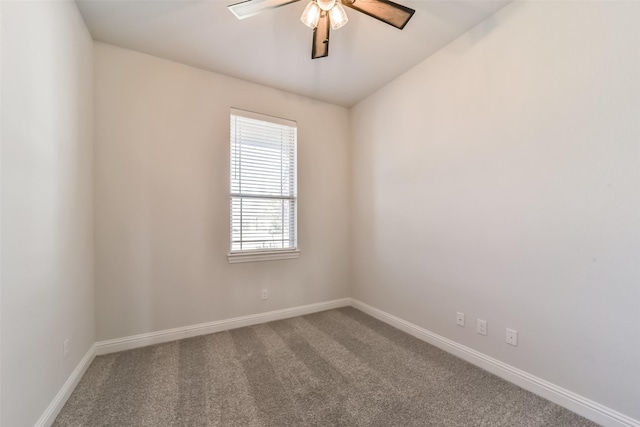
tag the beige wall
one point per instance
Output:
(162, 198)
(47, 206)
(501, 178)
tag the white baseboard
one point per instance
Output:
(596, 412)
(52, 411)
(581, 405)
(143, 340)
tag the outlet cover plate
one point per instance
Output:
(481, 327)
(460, 319)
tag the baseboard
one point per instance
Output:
(54, 408)
(589, 409)
(596, 412)
(143, 340)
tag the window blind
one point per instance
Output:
(263, 182)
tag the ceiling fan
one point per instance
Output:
(323, 15)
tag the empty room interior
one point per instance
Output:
(320, 213)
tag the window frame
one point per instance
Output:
(253, 255)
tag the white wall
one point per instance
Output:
(501, 178)
(47, 212)
(162, 198)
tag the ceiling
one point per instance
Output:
(274, 48)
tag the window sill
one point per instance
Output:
(238, 257)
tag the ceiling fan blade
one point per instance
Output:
(320, 47)
(384, 10)
(249, 8)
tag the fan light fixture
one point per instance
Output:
(338, 16)
(313, 11)
(326, 4)
(324, 15)
(311, 15)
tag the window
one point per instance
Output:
(263, 187)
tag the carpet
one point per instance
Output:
(335, 368)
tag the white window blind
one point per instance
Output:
(263, 183)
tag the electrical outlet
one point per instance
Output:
(512, 337)
(265, 294)
(460, 319)
(65, 348)
(481, 327)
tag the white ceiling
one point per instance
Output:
(274, 48)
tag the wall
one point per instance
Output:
(47, 212)
(501, 178)
(162, 198)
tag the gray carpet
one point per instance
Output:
(335, 368)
